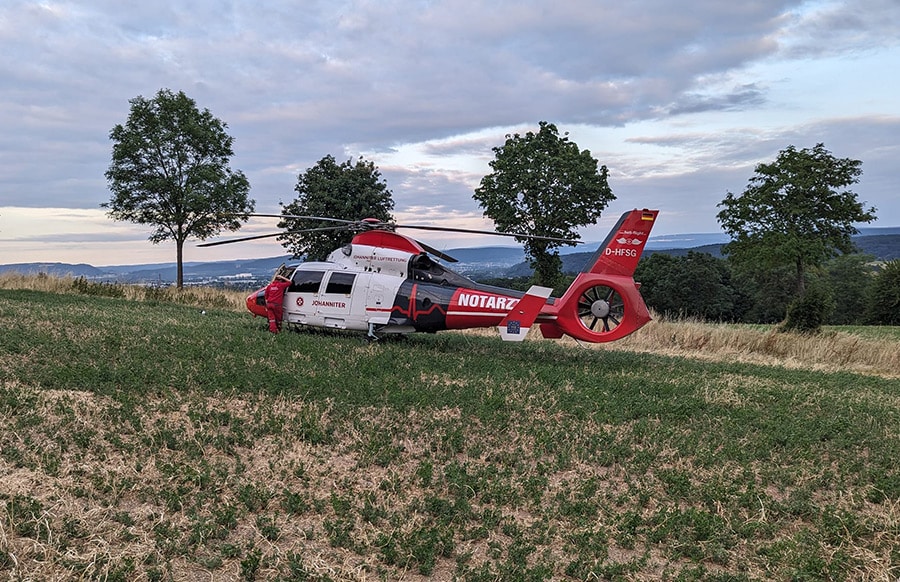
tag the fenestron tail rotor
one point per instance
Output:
(601, 309)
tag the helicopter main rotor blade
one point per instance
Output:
(437, 253)
(299, 217)
(236, 240)
(270, 235)
(490, 232)
(372, 224)
(353, 225)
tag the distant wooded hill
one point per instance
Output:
(884, 247)
(496, 261)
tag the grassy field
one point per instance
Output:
(149, 440)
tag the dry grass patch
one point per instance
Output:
(829, 351)
(191, 491)
(204, 297)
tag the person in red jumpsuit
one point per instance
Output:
(275, 301)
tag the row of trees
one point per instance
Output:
(851, 289)
(170, 169)
(792, 221)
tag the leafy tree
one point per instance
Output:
(347, 191)
(884, 304)
(769, 292)
(808, 313)
(850, 278)
(696, 285)
(795, 211)
(170, 170)
(542, 185)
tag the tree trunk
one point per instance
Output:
(179, 260)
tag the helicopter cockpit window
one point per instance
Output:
(340, 283)
(306, 281)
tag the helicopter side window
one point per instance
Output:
(341, 283)
(306, 281)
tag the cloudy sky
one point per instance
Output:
(680, 100)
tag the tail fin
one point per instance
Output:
(620, 252)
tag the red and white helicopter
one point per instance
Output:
(386, 283)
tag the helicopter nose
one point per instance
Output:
(256, 302)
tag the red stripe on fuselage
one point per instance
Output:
(470, 308)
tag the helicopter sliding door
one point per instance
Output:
(342, 303)
(300, 298)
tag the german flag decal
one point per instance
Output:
(646, 216)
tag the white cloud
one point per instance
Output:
(680, 100)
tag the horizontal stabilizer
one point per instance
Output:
(514, 327)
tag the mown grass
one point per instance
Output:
(153, 441)
(877, 332)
